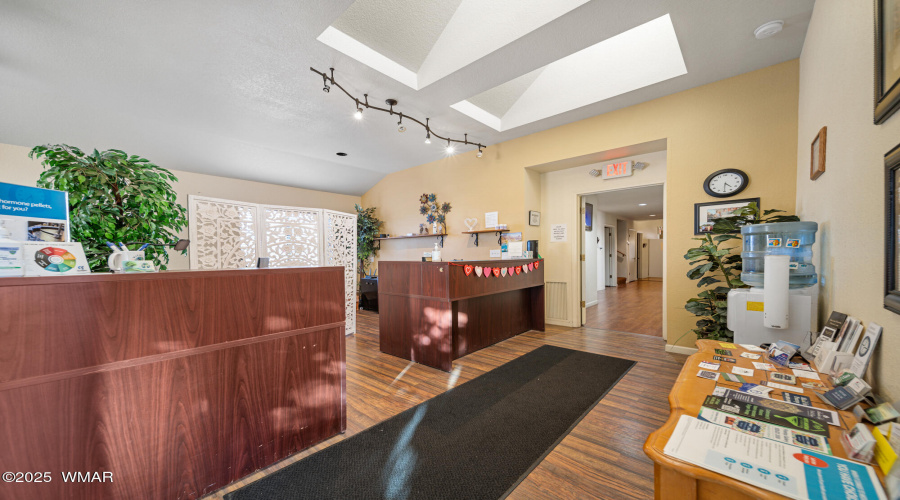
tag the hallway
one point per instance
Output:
(634, 308)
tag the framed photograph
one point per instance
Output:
(588, 217)
(534, 218)
(891, 228)
(887, 59)
(705, 214)
(817, 155)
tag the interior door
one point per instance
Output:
(641, 247)
(631, 255)
(610, 257)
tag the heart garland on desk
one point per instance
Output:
(498, 271)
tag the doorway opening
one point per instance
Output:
(622, 264)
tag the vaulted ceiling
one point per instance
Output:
(223, 87)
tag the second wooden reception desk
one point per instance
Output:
(433, 313)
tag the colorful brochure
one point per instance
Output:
(782, 468)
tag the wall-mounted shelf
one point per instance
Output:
(436, 235)
(482, 231)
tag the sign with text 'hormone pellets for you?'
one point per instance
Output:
(34, 214)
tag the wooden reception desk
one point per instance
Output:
(176, 383)
(432, 313)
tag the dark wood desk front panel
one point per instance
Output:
(432, 313)
(202, 406)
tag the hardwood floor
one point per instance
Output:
(634, 308)
(601, 458)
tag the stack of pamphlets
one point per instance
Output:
(781, 352)
(845, 395)
(859, 443)
(789, 470)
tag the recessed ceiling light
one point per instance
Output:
(769, 29)
(642, 204)
(342, 154)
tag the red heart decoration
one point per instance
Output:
(531, 266)
(511, 270)
(468, 269)
(496, 272)
(518, 269)
(537, 264)
(487, 272)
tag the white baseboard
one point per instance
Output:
(592, 303)
(680, 349)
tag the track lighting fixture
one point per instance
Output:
(329, 80)
(479, 154)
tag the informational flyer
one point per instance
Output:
(775, 466)
(558, 233)
(34, 214)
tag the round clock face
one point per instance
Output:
(725, 183)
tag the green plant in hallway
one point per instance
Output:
(367, 227)
(113, 197)
(715, 264)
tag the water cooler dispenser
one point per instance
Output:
(783, 301)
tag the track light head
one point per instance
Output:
(358, 114)
(428, 138)
(400, 127)
(449, 148)
(479, 154)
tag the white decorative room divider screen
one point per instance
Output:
(229, 234)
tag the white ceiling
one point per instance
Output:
(634, 59)
(223, 87)
(625, 203)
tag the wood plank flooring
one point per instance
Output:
(601, 458)
(635, 308)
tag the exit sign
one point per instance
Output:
(615, 170)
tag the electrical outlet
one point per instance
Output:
(495, 253)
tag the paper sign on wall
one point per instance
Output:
(491, 219)
(558, 233)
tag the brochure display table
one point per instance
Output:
(433, 313)
(677, 479)
(166, 385)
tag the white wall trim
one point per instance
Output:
(680, 349)
(562, 322)
(591, 303)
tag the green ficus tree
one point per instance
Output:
(367, 227)
(113, 197)
(715, 264)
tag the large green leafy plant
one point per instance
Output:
(715, 264)
(367, 226)
(113, 197)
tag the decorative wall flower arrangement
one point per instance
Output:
(435, 213)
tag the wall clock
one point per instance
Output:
(726, 182)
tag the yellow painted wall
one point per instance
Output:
(747, 122)
(836, 81)
(17, 168)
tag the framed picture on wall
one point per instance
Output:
(891, 228)
(534, 218)
(588, 217)
(817, 155)
(705, 214)
(887, 59)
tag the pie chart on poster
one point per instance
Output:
(53, 259)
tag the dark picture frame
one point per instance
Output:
(817, 154)
(702, 220)
(588, 217)
(891, 226)
(887, 47)
(534, 218)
